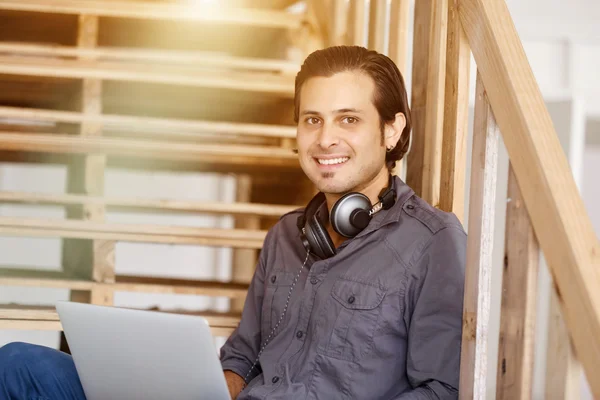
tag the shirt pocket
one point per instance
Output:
(351, 319)
(278, 285)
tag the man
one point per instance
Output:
(359, 294)
(378, 313)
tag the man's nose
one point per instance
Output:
(328, 136)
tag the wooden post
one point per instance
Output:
(429, 71)
(84, 258)
(377, 21)
(519, 291)
(456, 117)
(357, 29)
(338, 26)
(476, 309)
(244, 260)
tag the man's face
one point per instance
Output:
(339, 137)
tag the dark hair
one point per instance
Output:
(389, 95)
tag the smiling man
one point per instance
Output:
(359, 294)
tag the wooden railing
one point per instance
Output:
(544, 211)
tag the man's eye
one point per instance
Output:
(312, 120)
(350, 120)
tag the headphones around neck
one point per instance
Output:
(349, 216)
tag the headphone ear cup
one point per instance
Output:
(350, 214)
(318, 239)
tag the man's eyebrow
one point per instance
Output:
(338, 111)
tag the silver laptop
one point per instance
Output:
(123, 354)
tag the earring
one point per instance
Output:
(388, 149)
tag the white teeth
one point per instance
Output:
(333, 161)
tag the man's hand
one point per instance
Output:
(235, 383)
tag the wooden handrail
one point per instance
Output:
(551, 196)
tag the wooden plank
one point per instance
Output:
(156, 150)
(429, 70)
(338, 26)
(144, 204)
(563, 380)
(476, 309)
(18, 317)
(152, 73)
(377, 25)
(456, 117)
(194, 58)
(357, 24)
(149, 229)
(399, 23)
(244, 260)
(178, 127)
(161, 11)
(132, 233)
(59, 279)
(557, 212)
(519, 294)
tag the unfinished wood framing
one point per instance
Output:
(557, 212)
(192, 58)
(226, 154)
(46, 318)
(150, 73)
(160, 11)
(338, 26)
(476, 309)
(519, 294)
(143, 204)
(398, 43)
(429, 71)
(244, 260)
(377, 25)
(456, 117)
(175, 127)
(357, 23)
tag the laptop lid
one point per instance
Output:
(133, 354)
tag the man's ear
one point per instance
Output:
(394, 130)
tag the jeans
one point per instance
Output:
(32, 372)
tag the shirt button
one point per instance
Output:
(273, 278)
(299, 334)
(314, 280)
(351, 299)
(275, 379)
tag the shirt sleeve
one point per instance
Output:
(433, 315)
(241, 348)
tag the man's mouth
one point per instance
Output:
(332, 161)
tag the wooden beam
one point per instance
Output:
(377, 25)
(563, 381)
(476, 309)
(147, 233)
(557, 212)
(456, 117)
(193, 58)
(519, 294)
(161, 11)
(244, 260)
(357, 24)
(142, 204)
(156, 150)
(175, 127)
(398, 44)
(338, 28)
(46, 318)
(429, 70)
(152, 73)
(123, 283)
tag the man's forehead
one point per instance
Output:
(342, 91)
